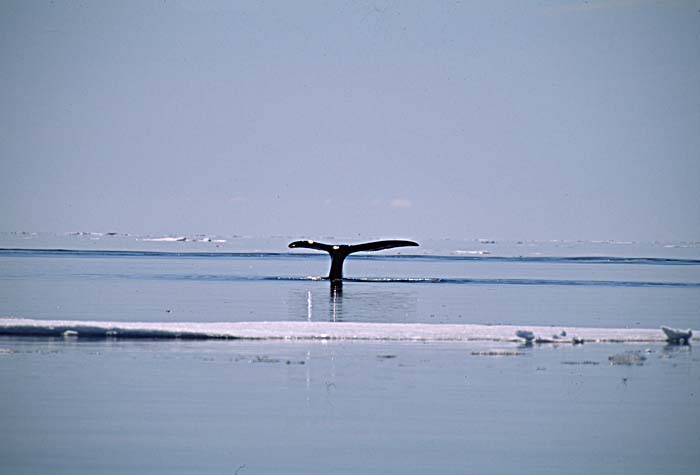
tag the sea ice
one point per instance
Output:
(296, 330)
(527, 335)
(674, 335)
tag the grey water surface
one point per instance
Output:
(76, 405)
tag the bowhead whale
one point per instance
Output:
(339, 252)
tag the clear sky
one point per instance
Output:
(506, 120)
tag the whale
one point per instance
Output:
(339, 252)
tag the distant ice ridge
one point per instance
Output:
(320, 331)
(166, 239)
(460, 252)
(435, 246)
(182, 239)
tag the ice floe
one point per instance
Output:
(674, 335)
(526, 335)
(166, 239)
(300, 330)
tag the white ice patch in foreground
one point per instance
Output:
(320, 331)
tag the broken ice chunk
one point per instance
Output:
(526, 335)
(674, 335)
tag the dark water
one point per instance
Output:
(118, 406)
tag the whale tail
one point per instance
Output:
(339, 252)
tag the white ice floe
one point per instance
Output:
(208, 239)
(674, 335)
(166, 239)
(183, 239)
(321, 331)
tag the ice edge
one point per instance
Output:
(323, 331)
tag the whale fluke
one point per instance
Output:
(339, 252)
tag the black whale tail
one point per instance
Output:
(339, 252)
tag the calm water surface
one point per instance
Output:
(270, 407)
(116, 406)
(400, 289)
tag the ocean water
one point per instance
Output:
(111, 405)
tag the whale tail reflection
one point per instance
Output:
(339, 252)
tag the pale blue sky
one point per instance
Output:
(508, 120)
